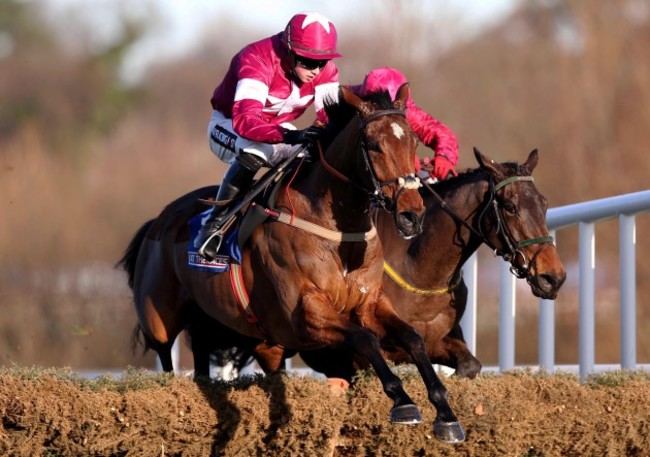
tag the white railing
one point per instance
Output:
(585, 216)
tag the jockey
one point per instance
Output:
(433, 133)
(269, 83)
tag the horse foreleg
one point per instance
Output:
(446, 427)
(332, 362)
(324, 326)
(270, 358)
(453, 352)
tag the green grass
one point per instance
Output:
(131, 379)
(617, 378)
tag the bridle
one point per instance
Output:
(375, 193)
(513, 247)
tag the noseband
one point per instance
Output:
(375, 193)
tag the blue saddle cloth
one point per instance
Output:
(228, 251)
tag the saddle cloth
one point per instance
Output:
(229, 250)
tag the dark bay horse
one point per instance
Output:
(496, 204)
(307, 291)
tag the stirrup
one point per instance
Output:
(216, 237)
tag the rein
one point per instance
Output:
(514, 247)
(376, 195)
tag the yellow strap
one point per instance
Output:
(406, 286)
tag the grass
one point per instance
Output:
(132, 378)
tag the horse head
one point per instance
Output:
(513, 222)
(388, 146)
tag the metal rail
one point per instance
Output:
(585, 216)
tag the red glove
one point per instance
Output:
(442, 167)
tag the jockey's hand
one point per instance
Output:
(306, 136)
(442, 167)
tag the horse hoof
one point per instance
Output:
(405, 414)
(449, 432)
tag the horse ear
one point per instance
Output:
(531, 162)
(487, 164)
(355, 101)
(403, 94)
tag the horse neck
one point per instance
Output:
(436, 256)
(335, 202)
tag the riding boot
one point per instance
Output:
(236, 182)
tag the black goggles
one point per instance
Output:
(310, 64)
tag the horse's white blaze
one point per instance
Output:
(397, 130)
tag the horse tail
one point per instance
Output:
(138, 339)
(128, 261)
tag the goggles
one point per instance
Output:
(310, 64)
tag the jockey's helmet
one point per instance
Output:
(383, 78)
(311, 35)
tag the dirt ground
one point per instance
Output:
(518, 414)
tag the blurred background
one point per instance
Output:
(104, 107)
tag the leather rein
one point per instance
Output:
(513, 251)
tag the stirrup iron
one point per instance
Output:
(217, 237)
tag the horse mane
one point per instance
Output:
(444, 186)
(339, 113)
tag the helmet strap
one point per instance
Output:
(291, 61)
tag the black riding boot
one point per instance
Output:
(237, 180)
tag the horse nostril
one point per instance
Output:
(409, 220)
(552, 280)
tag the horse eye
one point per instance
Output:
(509, 207)
(373, 146)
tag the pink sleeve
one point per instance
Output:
(433, 133)
(254, 76)
(248, 121)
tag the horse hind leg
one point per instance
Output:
(165, 356)
(164, 350)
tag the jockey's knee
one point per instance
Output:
(251, 162)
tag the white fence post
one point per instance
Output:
(468, 321)
(506, 318)
(627, 247)
(547, 331)
(586, 324)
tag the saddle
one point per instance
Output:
(244, 216)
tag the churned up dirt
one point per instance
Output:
(518, 414)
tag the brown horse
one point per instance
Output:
(496, 204)
(307, 291)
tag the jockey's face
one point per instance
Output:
(307, 69)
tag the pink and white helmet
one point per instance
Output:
(311, 35)
(383, 78)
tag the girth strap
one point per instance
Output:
(315, 229)
(239, 291)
